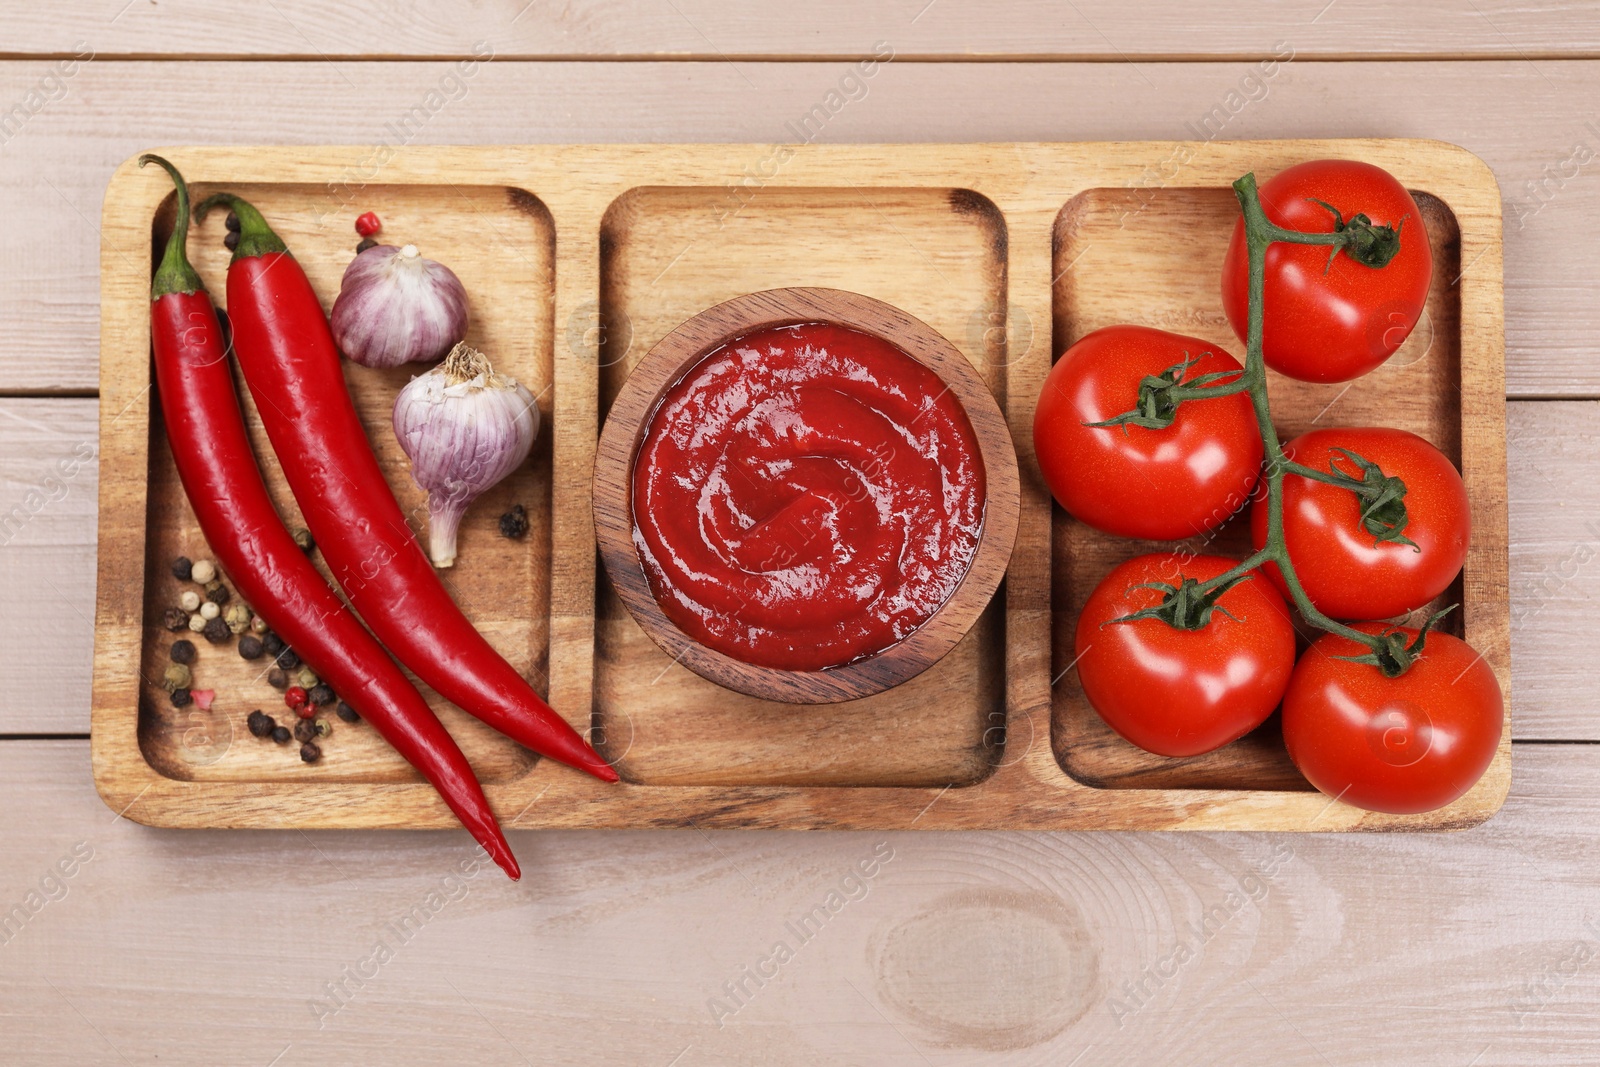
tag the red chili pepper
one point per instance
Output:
(286, 351)
(223, 483)
(368, 225)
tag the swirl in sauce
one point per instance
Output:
(806, 496)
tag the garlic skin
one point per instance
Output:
(465, 428)
(397, 306)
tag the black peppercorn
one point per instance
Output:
(320, 694)
(250, 646)
(219, 595)
(366, 243)
(260, 723)
(281, 734)
(231, 241)
(305, 730)
(231, 222)
(216, 631)
(288, 660)
(182, 568)
(347, 713)
(277, 678)
(310, 753)
(514, 523)
(272, 643)
(180, 698)
(175, 619)
(182, 651)
(302, 537)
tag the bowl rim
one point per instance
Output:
(665, 364)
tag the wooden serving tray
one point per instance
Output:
(578, 258)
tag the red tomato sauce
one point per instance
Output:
(806, 496)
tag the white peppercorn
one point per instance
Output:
(203, 571)
(237, 616)
(189, 601)
(209, 610)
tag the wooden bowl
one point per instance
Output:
(669, 360)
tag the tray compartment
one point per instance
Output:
(511, 319)
(1154, 257)
(668, 253)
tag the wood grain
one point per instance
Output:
(1525, 119)
(669, 359)
(707, 30)
(1029, 787)
(995, 948)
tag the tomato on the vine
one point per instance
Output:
(1400, 745)
(1332, 320)
(1344, 566)
(1181, 692)
(1168, 483)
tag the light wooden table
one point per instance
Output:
(1475, 948)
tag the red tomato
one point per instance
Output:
(1183, 692)
(1166, 484)
(1344, 572)
(1400, 745)
(1322, 323)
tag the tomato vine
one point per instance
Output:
(1382, 497)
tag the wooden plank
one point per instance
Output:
(1006, 948)
(49, 478)
(1555, 567)
(1094, 29)
(1524, 120)
(1554, 451)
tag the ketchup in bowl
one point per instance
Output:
(806, 496)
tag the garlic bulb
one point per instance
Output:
(396, 306)
(465, 428)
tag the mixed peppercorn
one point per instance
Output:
(212, 613)
(514, 523)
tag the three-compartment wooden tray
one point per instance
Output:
(578, 259)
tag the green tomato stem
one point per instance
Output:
(1178, 394)
(1343, 481)
(1260, 234)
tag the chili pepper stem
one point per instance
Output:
(1260, 233)
(174, 274)
(256, 238)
